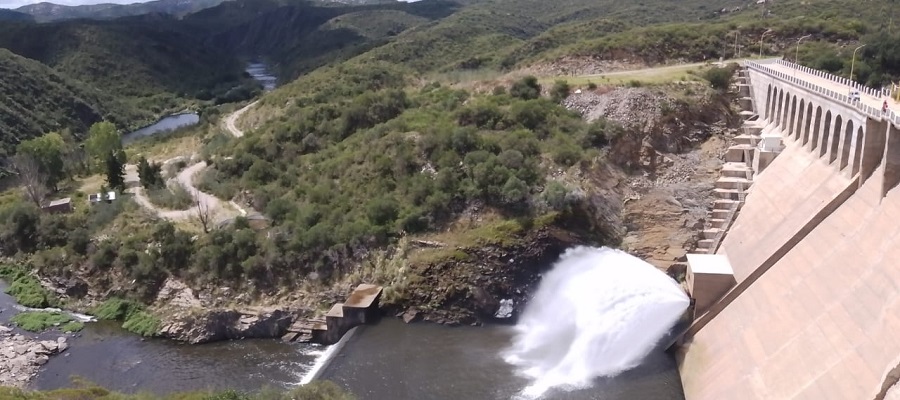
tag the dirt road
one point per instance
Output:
(232, 118)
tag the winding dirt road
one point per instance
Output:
(220, 209)
(232, 118)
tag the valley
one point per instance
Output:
(266, 156)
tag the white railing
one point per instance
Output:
(872, 112)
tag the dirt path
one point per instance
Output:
(219, 210)
(232, 118)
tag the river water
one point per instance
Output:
(393, 360)
(389, 360)
(257, 70)
(260, 72)
(166, 124)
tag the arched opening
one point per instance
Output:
(857, 151)
(825, 131)
(835, 138)
(793, 116)
(785, 117)
(806, 123)
(774, 109)
(778, 108)
(767, 110)
(801, 118)
(848, 142)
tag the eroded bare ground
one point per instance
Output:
(674, 164)
(665, 215)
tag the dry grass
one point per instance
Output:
(647, 76)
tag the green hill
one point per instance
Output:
(146, 62)
(46, 12)
(35, 99)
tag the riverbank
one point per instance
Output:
(21, 357)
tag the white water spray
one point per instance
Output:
(598, 312)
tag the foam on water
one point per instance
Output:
(597, 313)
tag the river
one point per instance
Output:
(388, 360)
(259, 71)
(165, 124)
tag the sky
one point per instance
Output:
(19, 3)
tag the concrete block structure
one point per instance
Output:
(709, 277)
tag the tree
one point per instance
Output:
(150, 173)
(526, 88)
(31, 178)
(115, 171)
(560, 91)
(205, 214)
(719, 78)
(103, 140)
(47, 153)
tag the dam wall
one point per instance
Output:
(815, 253)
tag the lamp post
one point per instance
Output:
(797, 53)
(761, 38)
(853, 61)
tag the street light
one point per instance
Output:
(853, 61)
(761, 41)
(797, 53)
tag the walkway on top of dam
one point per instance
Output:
(870, 100)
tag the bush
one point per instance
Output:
(560, 91)
(38, 321)
(719, 78)
(526, 88)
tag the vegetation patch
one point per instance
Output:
(173, 197)
(135, 319)
(25, 288)
(38, 321)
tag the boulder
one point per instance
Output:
(410, 315)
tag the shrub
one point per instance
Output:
(592, 85)
(526, 88)
(560, 91)
(719, 78)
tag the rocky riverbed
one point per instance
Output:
(20, 356)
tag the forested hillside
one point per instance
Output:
(46, 12)
(37, 99)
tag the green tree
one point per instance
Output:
(719, 78)
(150, 173)
(102, 141)
(526, 88)
(115, 171)
(47, 152)
(560, 91)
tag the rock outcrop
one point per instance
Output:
(20, 357)
(214, 325)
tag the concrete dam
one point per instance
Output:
(796, 286)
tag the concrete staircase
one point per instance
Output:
(736, 175)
